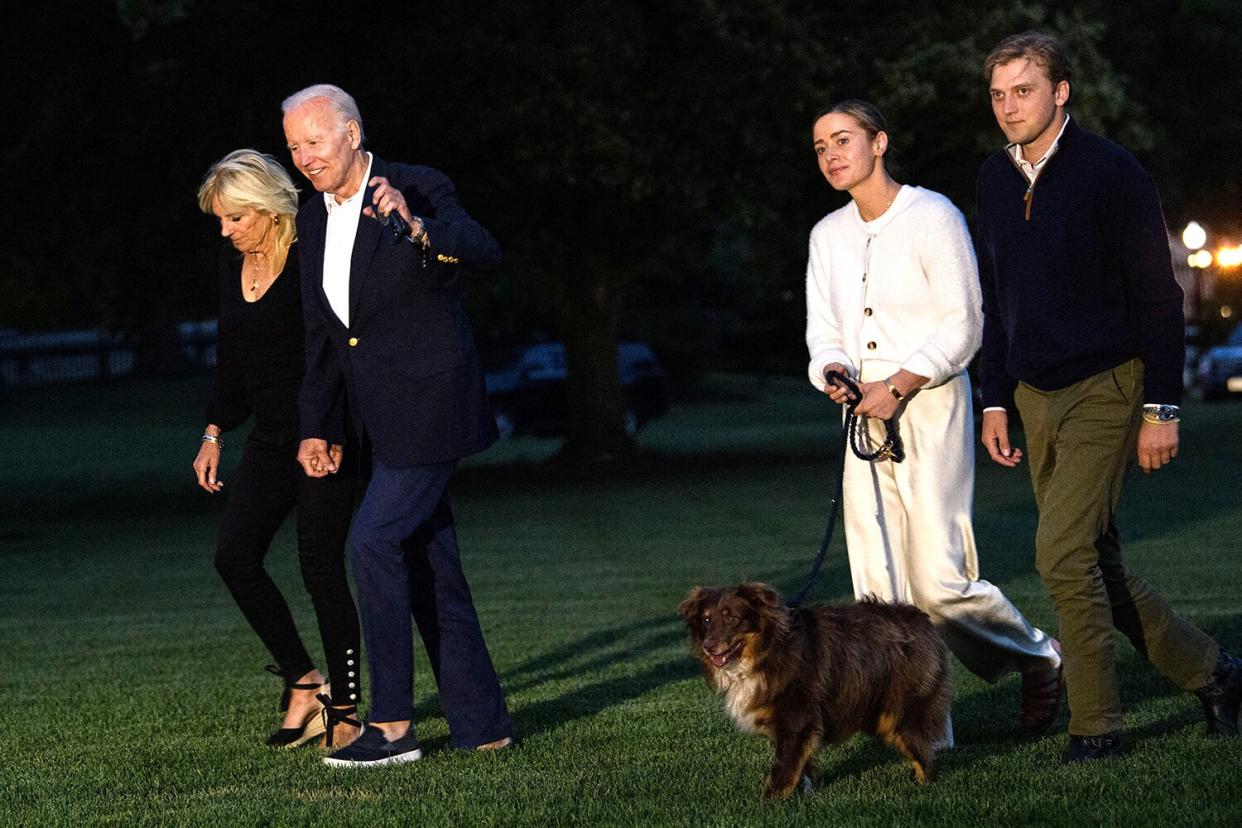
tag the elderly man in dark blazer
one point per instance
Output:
(385, 317)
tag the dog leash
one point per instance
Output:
(892, 449)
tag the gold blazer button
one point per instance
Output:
(353, 340)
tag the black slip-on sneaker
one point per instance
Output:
(372, 749)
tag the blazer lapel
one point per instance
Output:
(311, 236)
(370, 234)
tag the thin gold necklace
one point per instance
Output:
(890, 203)
(254, 278)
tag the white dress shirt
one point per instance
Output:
(338, 245)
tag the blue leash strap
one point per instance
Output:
(832, 522)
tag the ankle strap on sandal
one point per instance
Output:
(290, 686)
(333, 716)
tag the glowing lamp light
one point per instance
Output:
(1194, 236)
(1200, 259)
(1229, 256)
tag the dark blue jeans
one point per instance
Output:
(406, 565)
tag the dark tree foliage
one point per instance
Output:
(646, 166)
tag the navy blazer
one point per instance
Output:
(408, 361)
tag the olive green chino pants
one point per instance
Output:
(1080, 439)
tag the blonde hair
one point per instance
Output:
(249, 178)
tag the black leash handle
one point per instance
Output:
(892, 449)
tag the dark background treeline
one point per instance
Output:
(645, 165)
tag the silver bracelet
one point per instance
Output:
(211, 438)
(419, 239)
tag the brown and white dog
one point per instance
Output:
(815, 676)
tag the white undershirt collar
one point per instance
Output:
(1031, 171)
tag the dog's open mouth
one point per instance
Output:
(728, 655)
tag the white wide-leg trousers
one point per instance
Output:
(909, 535)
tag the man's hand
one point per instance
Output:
(315, 458)
(387, 198)
(1157, 445)
(996, 438)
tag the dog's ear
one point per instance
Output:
(692, 607)
(760, 596)
(767, 605)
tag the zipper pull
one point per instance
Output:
(1026, 199)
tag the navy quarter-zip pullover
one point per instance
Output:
(1076, 273)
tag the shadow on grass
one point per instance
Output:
(586, 701)
(590, 655)
(593, 652)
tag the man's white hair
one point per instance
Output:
(340, 101)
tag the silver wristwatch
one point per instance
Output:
(1161, 414)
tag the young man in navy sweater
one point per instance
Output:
(1083, 333)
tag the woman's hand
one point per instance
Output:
(839, 394)
(880, 401)
(877, 401)
(207, 466)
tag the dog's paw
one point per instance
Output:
(806, 788)
(771, 790)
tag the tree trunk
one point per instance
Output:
(589, 310)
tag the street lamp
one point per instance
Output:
(1229, 256)
(1194, 237)
(1201, 259)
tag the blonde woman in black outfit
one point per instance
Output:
(259, 368)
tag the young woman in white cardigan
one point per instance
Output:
(892, 293)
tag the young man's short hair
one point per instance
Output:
(1043, 49)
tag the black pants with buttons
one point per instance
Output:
(266, 486)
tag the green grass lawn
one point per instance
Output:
(133, 692)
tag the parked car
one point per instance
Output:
(1220, 368)
(527, 388)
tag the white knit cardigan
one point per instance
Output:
(903, 289)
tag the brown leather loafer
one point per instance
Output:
(1222, 696)
(1041, 695)
(499, 744)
